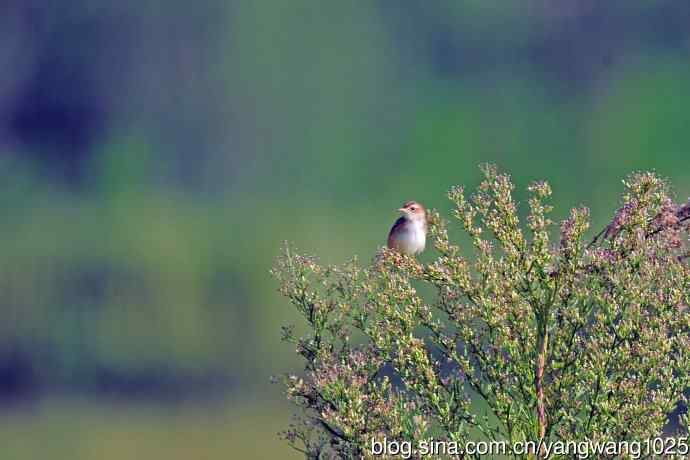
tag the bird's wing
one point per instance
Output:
(397, 226)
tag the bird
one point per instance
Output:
(408, 234)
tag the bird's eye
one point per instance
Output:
(413, 208)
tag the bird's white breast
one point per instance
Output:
(412, 239)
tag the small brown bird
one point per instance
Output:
(408, 234)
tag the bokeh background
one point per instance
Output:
(154, 155)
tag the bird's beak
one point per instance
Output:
(401, 209)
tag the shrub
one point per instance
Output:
(527, 339)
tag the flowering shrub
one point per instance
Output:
(524, 339)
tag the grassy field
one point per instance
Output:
(59, 429)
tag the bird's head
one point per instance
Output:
(413, 210)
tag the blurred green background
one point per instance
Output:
(153, 157)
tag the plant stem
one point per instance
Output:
(539, 377)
